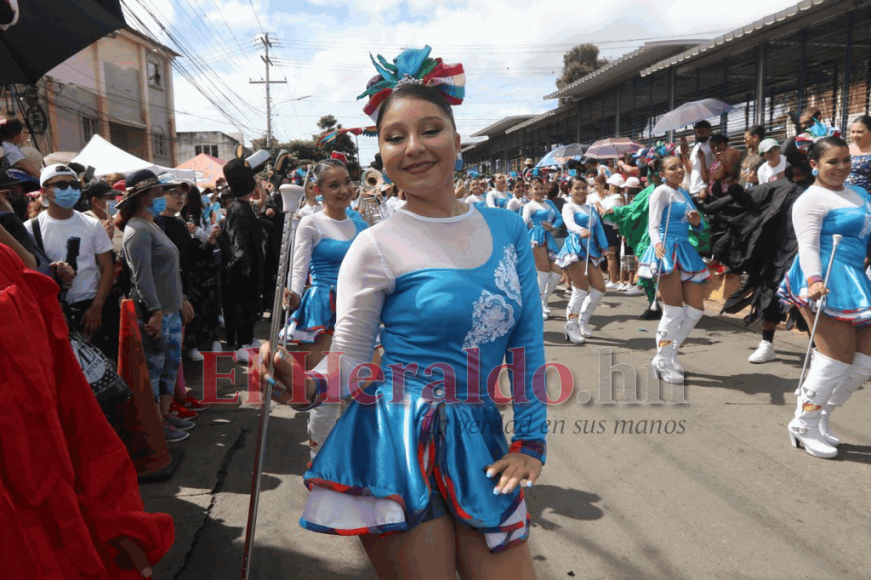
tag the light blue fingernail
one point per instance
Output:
(496, 491)
(528, 484)
(491, 473)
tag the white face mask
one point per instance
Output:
(43, 200)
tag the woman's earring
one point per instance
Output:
(815, 172)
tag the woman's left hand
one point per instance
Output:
(187, 312)
(516, 468)
(131, 556)
(695, 217)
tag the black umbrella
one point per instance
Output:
(50, 31)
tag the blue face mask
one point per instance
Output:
(157, 206)
(67, 197)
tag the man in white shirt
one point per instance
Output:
(499, 196)
(775, 163)
(66, 235)
(700, 159)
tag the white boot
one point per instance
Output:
(824, 375)
(662, 364)
(572, 330)
(549, 286)
(590, 304)
(543, 277)
(691, 317)
(860, 371)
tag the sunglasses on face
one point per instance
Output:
(177, 194)
(64, 184)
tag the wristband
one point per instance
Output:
(813, 280)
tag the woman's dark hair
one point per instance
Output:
(321, 168)
(129, 209)
(756, 131)
(817, 149)
(573, 180)
(421, 92)
(538, 180)
(719, 139)
(551, 190)
(11, 128)
(865, 120)
(193, 205)
(592, 173)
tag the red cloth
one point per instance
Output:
(67, 485)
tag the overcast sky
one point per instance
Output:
(511, 49)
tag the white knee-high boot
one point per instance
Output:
(822, 378)
(662, 364)
(549, 286)
(860, 371)
(691, 317)
(572, 329)
(542, 285)
(594, 298)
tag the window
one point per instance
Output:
(89, 128)
(155, 79)
(207, 149)
(160, 145)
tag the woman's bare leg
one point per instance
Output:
(427, 552)
(475, 561)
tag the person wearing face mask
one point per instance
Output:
(156, 290)
(65, 235)
(95, 200)
(13, 137)
(698, 161)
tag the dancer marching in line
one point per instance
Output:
(542, 217)
(322, 240)
(398, 471)
(842, 358)
(475, 198)
(676, 266)
(499, 196)
(519, 200)
(587, 280)
(312, 204)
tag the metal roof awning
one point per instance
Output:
(623, 68)
(501, 125)
(543, 117)
(764, 26)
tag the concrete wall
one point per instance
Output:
(187, 142)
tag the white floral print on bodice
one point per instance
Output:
(492, 315)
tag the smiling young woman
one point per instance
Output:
(449, 281)
(842, 361)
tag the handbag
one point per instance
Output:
(107, 386)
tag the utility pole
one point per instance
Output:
(264, 38)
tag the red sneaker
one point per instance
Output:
(180, 411)
(194, 405)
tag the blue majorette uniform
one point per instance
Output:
(495, 198)
(405, 455)
(818, 215)
(319, 248)
(679, 253)
(577, 220)
(537, 213)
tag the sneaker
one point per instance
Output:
(621, 287)
(242, 354)
(764, 353)
(173, 435)
(180, 411)
(611, 286)
(651, 314)
(194, 354)
(216, 347)
(177, 423)
(633, 291)
(190, 403)
(255, 343)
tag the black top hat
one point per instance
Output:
(140, 182)
(240, 177)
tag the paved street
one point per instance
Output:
(717, 493)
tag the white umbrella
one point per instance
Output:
(613, 147)
(690, 113)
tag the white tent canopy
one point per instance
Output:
(105, 158)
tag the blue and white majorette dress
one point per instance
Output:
(496, 198)
(516, 204)
(536, 213)
(320, 246)
(679, 253)
(577, 220)
(423, 433)
(818, 214)
(476, 200)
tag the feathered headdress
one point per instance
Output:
(414, 66)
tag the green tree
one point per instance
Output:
(578, 63)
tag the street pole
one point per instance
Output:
(266, 44)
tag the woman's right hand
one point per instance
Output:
(817, 290)
(285, 367)
(290, 300)
(660, 251)
(154, 324)
(585, 233)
